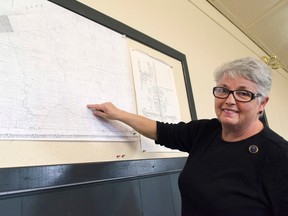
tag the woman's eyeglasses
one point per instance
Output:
(239, 95)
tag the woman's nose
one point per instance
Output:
(230, 99)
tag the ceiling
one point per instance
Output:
(264, 21)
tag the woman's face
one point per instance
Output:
(232, 113)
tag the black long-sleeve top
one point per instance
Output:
(243, 178)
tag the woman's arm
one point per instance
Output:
(141, 124)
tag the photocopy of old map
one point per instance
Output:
(155, 92)
(52, 64)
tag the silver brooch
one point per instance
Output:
(253, 149)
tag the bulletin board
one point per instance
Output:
(125, 153)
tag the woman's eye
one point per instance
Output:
(223, 91)
(243, 94)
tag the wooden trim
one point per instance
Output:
(30, 179)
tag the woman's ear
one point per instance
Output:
(265, 101)
(263, 104)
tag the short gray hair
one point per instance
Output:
(249, 68)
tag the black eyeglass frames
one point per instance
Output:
(239, 95)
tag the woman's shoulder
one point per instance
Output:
(206, 123)
(275, 142)
(194, 123)
(271, 135)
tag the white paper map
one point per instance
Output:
(155, 93)
(52, 64)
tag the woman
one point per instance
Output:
(236, 165)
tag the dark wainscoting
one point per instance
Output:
(29, 179)
(136, 188)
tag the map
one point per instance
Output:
(52, 64)
(155, 92)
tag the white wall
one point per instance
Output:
(192, 27)
(207, 39)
